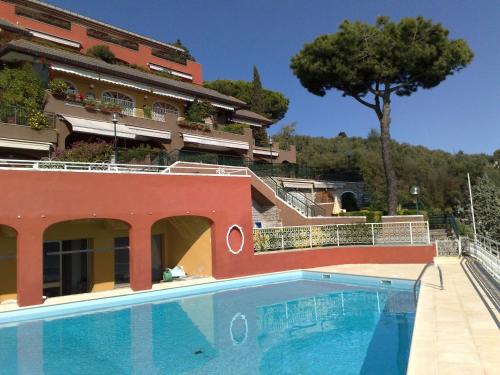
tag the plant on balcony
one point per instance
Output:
(21, 87)
(199, 110)
(58, 88)
(147, 111)
(38, 121)
(102, 52)
(105, 107)
(235, 128)
(115, 108)
(90, 104)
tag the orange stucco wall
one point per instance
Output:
(78, 33)
(34, 200)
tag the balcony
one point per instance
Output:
(15, 132)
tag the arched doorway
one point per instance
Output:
(181, 241)
(8, 240)
(349, 201)
(87, 255)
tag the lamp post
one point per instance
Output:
(415, 191)
(271, 153)
(114, 120)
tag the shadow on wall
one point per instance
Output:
(185, 241)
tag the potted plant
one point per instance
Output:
(58, 88)
(90, 104)
(147, 111)
(38, 121)
(105, 107)
(115, 107)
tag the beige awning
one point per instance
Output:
(24, 144)
(217, 142)
(152, 133)
(82, 125)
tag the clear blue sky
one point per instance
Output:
(229, 36)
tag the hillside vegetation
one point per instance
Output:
(441, 176)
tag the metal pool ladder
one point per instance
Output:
(419, 278)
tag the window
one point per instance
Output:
(160, 109)
(43, 17)
(112, 39)
(124, 101)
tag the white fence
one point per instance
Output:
(66, 166)
(487, 251)
(301, 237)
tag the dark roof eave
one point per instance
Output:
(7, 47)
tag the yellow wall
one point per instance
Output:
(83, 86)
(187, 243)
(7, 266)
(102, 234)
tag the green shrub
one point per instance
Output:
(102, 52)
(199, 110)
(235, 128)
(38, 121)
(147, 111)
(21, 87)
(87, 152)
(58, 87)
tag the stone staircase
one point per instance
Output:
(438, 234)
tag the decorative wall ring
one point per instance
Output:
(234, 226)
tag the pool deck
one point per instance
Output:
(455, 332)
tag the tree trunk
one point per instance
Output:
(385, 140)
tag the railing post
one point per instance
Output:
(310, 237)
(373, 234)
(411, 233)
(282, 239)
(428, 232)
(459, 246)
(338, 239)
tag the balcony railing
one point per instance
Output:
(303, 237)
(20, 116)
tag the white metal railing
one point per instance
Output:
(487, 252)
(126, 106)
(301, 237)
(65, 166)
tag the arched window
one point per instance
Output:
(124, 101)
(160, 109)
(71, 88)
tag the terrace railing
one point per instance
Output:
(66, 166)
(296, 199)
(20, 116)
(487, 252)
(313, 236)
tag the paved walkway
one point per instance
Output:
(454, 332)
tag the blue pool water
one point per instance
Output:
(307, 325)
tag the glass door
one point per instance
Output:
(156, 257)
(52, 269)
(74, 274)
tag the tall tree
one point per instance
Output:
(275, 103)
(257, 98)
(371, 63)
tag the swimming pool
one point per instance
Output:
(292, 323)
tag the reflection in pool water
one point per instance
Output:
(296, 327)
